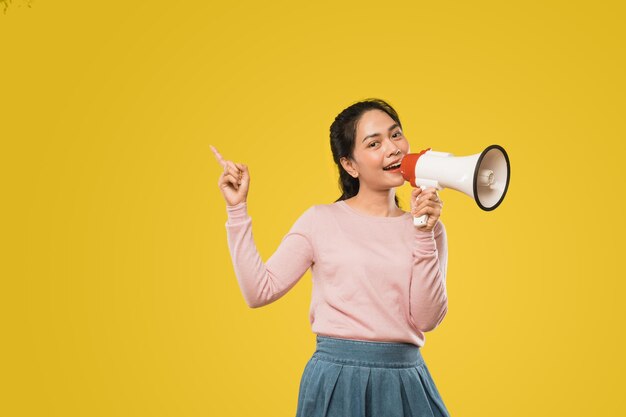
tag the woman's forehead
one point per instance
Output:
(374, 121)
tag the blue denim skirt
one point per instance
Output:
(357, 378)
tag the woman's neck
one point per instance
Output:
(382, 204)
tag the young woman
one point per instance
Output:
(379, 282)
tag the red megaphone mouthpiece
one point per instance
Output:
(407, 166)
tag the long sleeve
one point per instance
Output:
(428, 298)
(263, 283)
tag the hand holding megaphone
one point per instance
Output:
(483, 176)
(425, 200)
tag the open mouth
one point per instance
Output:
(393, 167)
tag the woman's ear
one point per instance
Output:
(348, 165)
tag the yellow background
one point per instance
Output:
(118, 293)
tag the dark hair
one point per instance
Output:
(342, 138)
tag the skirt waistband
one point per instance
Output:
(368, 353)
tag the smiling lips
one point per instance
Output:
(394, 167)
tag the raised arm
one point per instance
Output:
(263, 283)
(428, 298)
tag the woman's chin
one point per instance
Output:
(396, 182)
(398, 178)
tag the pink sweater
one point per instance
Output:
(374, 278)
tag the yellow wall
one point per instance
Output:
(118, 295)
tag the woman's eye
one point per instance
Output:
(397, 134)
(372, 143)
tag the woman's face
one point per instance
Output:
(379, 142)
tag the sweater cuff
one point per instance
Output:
(237, 213)
(425, 236)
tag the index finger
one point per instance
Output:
(219, 157)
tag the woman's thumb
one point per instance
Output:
(245, 175)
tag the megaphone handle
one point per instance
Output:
(423, 219)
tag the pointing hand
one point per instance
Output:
(234, 180)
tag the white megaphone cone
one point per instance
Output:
(483, 176)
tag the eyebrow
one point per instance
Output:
(393, 126)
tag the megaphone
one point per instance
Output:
(483, 176)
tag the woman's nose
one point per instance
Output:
(394, 151)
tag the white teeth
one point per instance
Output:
(392, 166)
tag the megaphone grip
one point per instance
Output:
(421, 220)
